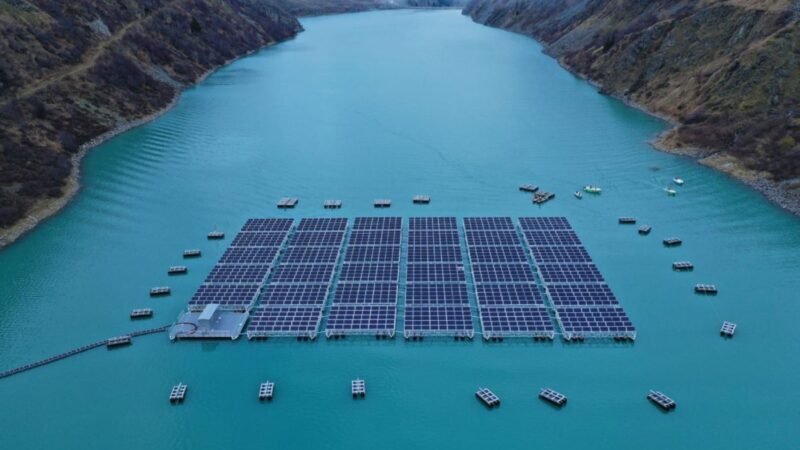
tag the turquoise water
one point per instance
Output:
(394, 104)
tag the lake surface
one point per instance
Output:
(389, 105)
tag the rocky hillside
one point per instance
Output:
(74, 70)
(728, 71)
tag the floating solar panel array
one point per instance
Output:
(584, 304)
(365, 299)
(234, 283)
(436, 290)
(292, 302)
(509, 302)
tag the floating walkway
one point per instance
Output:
(265, 390)
(661, 400)
(358, 387)
(178, 393)
(728, 329)
(76, 351)
(160, 291)
(487, 397)
(553, 397)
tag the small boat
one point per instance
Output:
(578, 195)
(592, 189)
(678, 180)
(670, 191)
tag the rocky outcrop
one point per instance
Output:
(727, 72)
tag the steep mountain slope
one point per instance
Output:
(727, 71)
(75, 70)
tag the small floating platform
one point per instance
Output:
(644, 230)
(287, 203)
(707, 289)
(265, 390)
(627, 220)
(193, 253)
(159, 291)
(421, 199)
(728, 329)
(682, 266)
(118, 341)
(332, 204)
(216, 235)
(358, 387)
(543, 197)
(672, 242)
(141, 313)
(178, 393)
(553, 397)
(487, 397)
(661, 400)
(529, 188)
(177, 270)
(382, 203)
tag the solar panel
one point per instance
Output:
(572, 254)
(432, 223)
(354, 272)
(317, 239)
(433, 238)
(372, 253)
(515, 320)
(449, 253)
(378, 223)
(229, 274)
(366, 293)
(502, 273)
(497, 255)
(295, 294)
(552, 237)
(259, 239)
(437, 318)
(594, 320)
(488, 223)
(375, 237)
(303, 273)
(508, 294)
(310, 255)
(322, 224)
(492, 237)
(361, 318)
(289, 321)
(267, 225)
(581, 295)
(225, 295)
(544, 223)
(436, 294)
(570, 273)
(249, 255)
(435, 273)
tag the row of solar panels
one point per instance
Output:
(366, 292)
(583, 303)
(301, 279)
(437, 302)
(509, 301)
(235, 281)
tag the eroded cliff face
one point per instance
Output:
(728, 71)
(73, 70)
